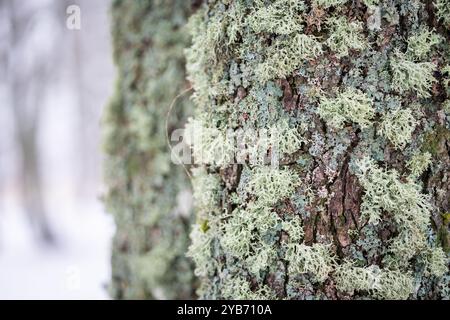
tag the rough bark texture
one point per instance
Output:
(148, 195)
(358, 207)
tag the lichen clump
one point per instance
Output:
(351, 105)
(408, 75)
(397, 126)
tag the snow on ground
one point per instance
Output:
(77, 268)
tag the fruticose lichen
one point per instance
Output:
(408, 207)
(408, 75)
(421, 43)
(351, 105)
(379, 283)
(443, 10)
(345, 36)
(397, 126)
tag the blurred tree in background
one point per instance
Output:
(149, 197)
(29, 70)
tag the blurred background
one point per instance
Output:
(56, 75)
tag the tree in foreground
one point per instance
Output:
(351, 101)
(148, 196)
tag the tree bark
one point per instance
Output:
(369, 108)
(148, 196)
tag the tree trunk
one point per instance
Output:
(28, 86)
(148, 196)
(340, 187)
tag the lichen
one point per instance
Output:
(284, 56)
(420, 44)
(411, 76)
(351, 105)
(328, 3)
(327, 83)
(409, 208)
(238, 288)
(418, 163)
(436, 262)
(281, 17)
(269, 185)
(379, 283)
(317, 260)
(397, 126)
(345, 36)
(443, 10)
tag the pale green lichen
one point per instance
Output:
(281, 17)
(411, 76)
(244, 236)
(209, 145)
(398, 126)
(418, 163)
(409, 208)
(443, 10)
(420, 43)
(351, 105)
(200, 251)
(345, 36)
(218, 147)
(436, 262)
(206, 39)
(238, 288)
(281, 139)
(446, 107)
(285, 55)
(379, 283)
(269, 185)
(317, 260)
(206, 190)
(328, 3)
(294, 229)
